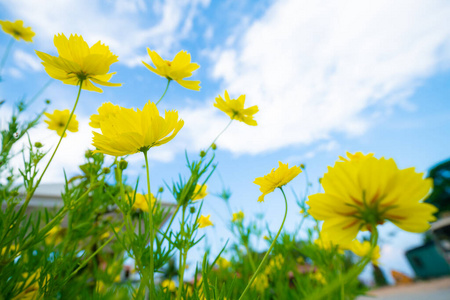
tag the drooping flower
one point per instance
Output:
(58, 120)
(177, 69)
(363, 249)
(238, 216)
(234, 108)
(204, 221)
(276, 179)
(199, 192)
(17, 30)
(79, 62)
(362, 193)
(140, 202)
(129, 131)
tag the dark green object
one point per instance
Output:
(427, 261)
(440, 197)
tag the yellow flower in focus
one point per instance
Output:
(58, 120)
(169, 284)
(223, 263)
(363, 249)
(276, 179)
(141, 202)
(235, 109)
(238, 217)
(17, 30)
(204, 221)
(107, 109)
(128, 131)
(79, 62)
(199, 192)
(359, 195)
(177, 69)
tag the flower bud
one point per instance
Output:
(202, 153)
(47, 101)
(123, 164)
(106, 170)
(213, 146)
(88, 154)
(302, 166)
(192, 209)
(38, 145)
(161, 189)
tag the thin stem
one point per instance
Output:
(90, 257)
(150, 213)
(165, 91)
(31, 193)
(268, 251)
(5, 56)
(43, 88)
(226, 127)
(182, 255)
(171, 220)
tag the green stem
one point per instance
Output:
(182, 255)
(268, 251)
(226, 127)
(171, 220)
(40, 91)
(5, 56)
(31, 193)
(90, 257)
(150, 213)
(165, 91)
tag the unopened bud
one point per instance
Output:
(202, 153)
(106, 170)
(192, 209)
(88, 154)
(161, 189)
(47, 101)
(38, 145)
(123, 164)
(302, 166)
(213, 146)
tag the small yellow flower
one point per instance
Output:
(199, 192)
(261, 283)
(235, 109)
(324, 242)
(318, 276)
(223, 263)
(169, 284)
(128, 131)
(362, 193)
(58, 120)
(141, 202)
(204, 221)
(79, 62)
(54, 236)
(362, 249)
(302, 211)
(17, 30)
(238, 216)
(177, 69)
(266, 238)
(276, 179)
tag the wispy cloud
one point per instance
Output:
(317, 68)
(127, 26)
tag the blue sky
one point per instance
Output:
(328, 78)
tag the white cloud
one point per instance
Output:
(316, 68)
(125, 25)
(27, 62)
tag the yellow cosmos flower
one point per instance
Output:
(235, 109)
(104, 111)
(238, 216)
(276, 179)
(79, 62)
(204, 221)
(17, 30)
(58, 120)
(169, 284)
(177, 69)
(355, 157)
(358, 195)
(363, 249)
(200, 192)
(141, 202)
(129, 131)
